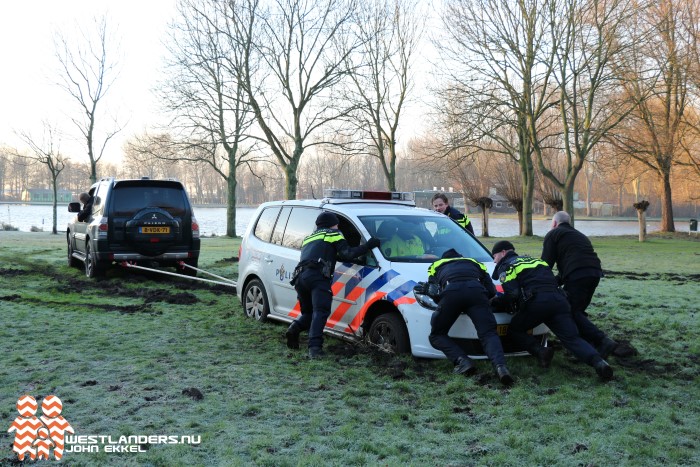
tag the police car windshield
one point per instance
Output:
(421, 239)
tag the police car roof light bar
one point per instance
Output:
(369, 195)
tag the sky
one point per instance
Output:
(29, 71)
(29, 68)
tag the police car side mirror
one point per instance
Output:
(73, 207)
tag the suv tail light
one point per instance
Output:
(195, 228)
(102, 228)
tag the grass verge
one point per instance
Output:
(139, 354)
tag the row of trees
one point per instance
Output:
(529, 94)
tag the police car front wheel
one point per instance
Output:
(388, 332)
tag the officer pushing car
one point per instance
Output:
(313, 276)
(462, 285)
(531, 285)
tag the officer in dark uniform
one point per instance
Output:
(312, 279)
(441, 204)
(579, 272)
(464, 287)
(531, 285)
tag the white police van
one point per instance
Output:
(372, 298)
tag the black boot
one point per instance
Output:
(606, 347)
(604, 371)
(544, 356)
(292, 336)
(316, 352)
(504, 375)
(464, 366)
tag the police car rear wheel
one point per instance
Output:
(255, 302)
(388, 331)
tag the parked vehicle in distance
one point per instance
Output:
(139, 221)
(374, 297)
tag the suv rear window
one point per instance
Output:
(128, 200)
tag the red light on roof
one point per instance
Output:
(376, 195)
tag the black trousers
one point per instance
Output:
(315, 300)
(552, 309)
(579, 294)
(473, 301)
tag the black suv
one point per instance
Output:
(139, 221)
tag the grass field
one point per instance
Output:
(143, 355)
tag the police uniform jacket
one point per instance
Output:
(459, 273)
(523, 277)
(572, 253)
(459, 218)
(327, 245)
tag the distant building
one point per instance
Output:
(501, 205)
(44, 195)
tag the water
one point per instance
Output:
(212, 221)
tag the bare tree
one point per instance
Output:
(87, 71)
(45, 150)
(205, 96)
(590, 67)
(499, 62)
(295, 55)
(508, 183)
(382, 81)
(653, 133)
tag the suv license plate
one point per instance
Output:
(154, 230)
(502, 329)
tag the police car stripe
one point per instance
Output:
(400, 291)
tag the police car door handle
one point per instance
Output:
(268, 259)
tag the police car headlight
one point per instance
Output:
(426, 302)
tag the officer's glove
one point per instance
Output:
(373, 243)
(421, 288)
(433, 291)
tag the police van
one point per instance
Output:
(373, 298)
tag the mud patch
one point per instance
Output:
(193, 393)
(10, 298)
(182, 298)
(131, 309)
(645, 276)
(13, 272)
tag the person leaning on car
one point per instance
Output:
(84, 213)
(531, 285)
(442, 205)
(579, 272)
(464, 287)
(312, 279)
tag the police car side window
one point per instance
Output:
(281, 224)
(266, 222)
(302, 221)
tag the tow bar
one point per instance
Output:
(183, 265)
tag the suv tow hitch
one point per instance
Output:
(223, 281)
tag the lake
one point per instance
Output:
(212, 221)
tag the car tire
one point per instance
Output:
(388, 332)
(255, 303)
(72, 260)
(93, 268)
(185, 271)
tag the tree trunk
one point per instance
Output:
(290, 172)
(667, 204)
(485, 222)
(568, 201)
(54, 230)
(642, 217)
(231, 202)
